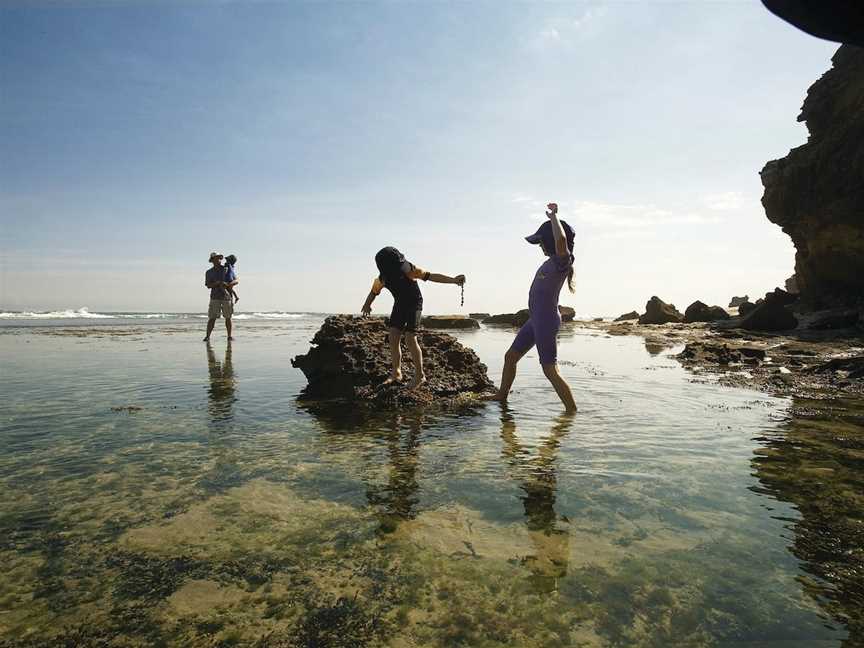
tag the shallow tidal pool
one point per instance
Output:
(155, 491)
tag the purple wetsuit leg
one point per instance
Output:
(524, 338)
(546, 336)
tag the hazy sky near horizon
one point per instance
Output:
(137, 137)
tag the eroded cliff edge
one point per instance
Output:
(816, 193)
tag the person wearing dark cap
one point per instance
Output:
(220, 285)
(555, 238)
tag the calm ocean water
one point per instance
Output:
(157, 491)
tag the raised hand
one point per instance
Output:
(460, 280)
(552, 210)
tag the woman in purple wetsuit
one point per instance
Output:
(555, 237)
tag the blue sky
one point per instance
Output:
(136, 137)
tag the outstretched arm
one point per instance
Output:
(440, 278)
(557, 230)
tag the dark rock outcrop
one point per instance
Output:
(520, 317)
(816, 193)
(747, 307)
(450, 322)
(832, 320)
(773, 314)
(511, 319)
(659, 312)
(737, 301)
(632, 315)
(701, 312)
(350, 359)
(842, 22)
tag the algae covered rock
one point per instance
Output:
(450, 322)
(512, 319)
(659, 312)
(350, 359)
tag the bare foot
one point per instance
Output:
(418, 380)
(230, 339)
(495, 397)
(206, 339)
(393, 379)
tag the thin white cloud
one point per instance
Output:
(591, 14)
(622, 216)
(728, 200)
(564, 30)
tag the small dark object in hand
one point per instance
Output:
(462, 303)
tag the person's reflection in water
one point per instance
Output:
(223, 386)
(538, 479)
(397, 499)
(223, 470)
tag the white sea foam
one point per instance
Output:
(269, 316)
(84, 313)
(81, 313)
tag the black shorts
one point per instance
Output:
(406, 316)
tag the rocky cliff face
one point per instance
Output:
(816, 193)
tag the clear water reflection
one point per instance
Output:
(209, 507)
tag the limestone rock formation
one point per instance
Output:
(632, 315)
(350, 359)
(450, 322)
(745, 308)
(701, 312)
(659, 312)
(737, 301)
(816, 193)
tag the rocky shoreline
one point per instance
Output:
(808, 363)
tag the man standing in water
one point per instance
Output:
(221, 304)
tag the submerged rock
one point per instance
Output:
(350, 359)
(701, 312)
(816, 194)
(632, 315)
(659, 312)
(450, 322)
